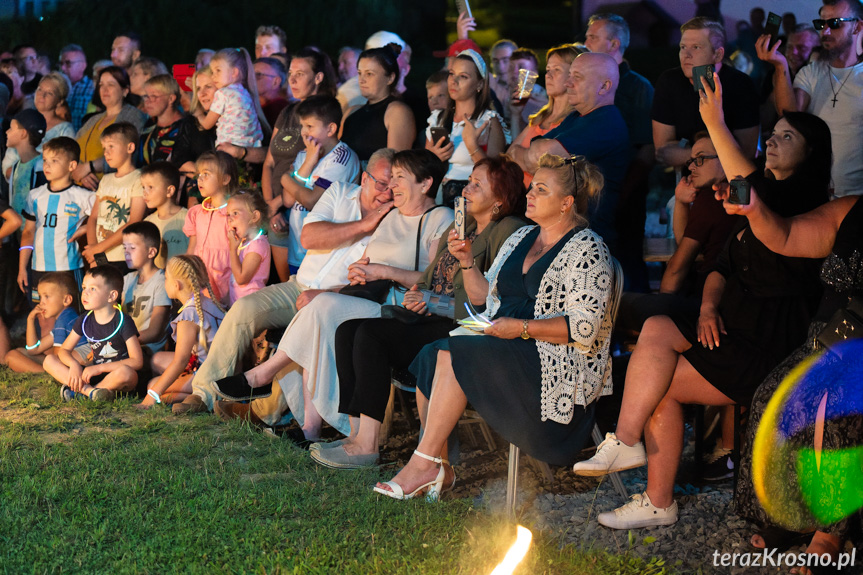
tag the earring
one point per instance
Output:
(495, 210)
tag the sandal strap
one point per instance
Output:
(437, 460)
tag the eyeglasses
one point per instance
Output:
(833, 23)
(698, 161)
(260, 75)
(70, 62)
(379, 185)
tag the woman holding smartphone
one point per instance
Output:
(535, 373)
(472, 130)
(755, 308)
(367, 349)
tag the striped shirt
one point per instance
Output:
(57, 215)
(340, 165)
(79, 98)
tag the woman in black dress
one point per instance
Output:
(536, 372)
(384, 121)
(755, 309)
(834, 231)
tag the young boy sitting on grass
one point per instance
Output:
(160, 182)
(144, 296)
(113, 338)
(326, 159)
(57, 293)
(119, 200)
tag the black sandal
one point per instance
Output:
(237, 388)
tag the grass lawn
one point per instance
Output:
(89, 488)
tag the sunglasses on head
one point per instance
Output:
(832, 23)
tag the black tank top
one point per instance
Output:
(365, 131)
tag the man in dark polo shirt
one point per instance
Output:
(609, 34)
(596, 130)
(675, 103)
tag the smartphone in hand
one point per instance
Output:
(101, 259)
(438, 132)
(463, 6)
(181, 73)
(739, 192)
(699, 72)
(772, 28)
(459, 216)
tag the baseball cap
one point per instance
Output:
(456, 47)
(382, 38)
(32, 121)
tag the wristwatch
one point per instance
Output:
(524, 334)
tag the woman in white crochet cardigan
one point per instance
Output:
(536, 372)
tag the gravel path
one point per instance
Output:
(570, 504)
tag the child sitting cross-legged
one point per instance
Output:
(193, 330)
(113, 339)
(144, 296)
(57, 292)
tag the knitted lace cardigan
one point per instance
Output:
(577, 284)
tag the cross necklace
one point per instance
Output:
(836, 92)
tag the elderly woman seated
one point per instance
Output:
(402, 245)
(366, 349)
(536, 372)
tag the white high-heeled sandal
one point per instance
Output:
(432, 489)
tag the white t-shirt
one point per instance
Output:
(115, 206)
(844, 118)
(174, 241)
(461, 164)
(340, 165)
(325, 269)
(394, 242)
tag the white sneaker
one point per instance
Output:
(612, 455)
(639, 512)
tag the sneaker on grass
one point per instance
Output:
(612, 455)
(66, 393)
(639, 512)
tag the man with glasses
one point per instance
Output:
(830, 87)
(335, 234)
(701, 228)
(28, 59)
(270, 76)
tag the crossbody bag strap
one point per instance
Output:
(419, 236)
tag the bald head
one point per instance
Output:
(593, 80)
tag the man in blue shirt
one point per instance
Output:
(596, 130)
(73, 63)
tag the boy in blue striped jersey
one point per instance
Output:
(54, 213)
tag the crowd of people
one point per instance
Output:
(165, 225)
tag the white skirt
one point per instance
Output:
(309, 340)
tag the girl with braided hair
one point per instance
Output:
(193, 330)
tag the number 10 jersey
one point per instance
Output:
(57, 216)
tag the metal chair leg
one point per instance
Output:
(512, 479)
(616, 481)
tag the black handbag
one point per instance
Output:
(845, 324)
(378, 290)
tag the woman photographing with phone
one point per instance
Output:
(471, 129)
(367, 349)
(754, 311)
(535, 373)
